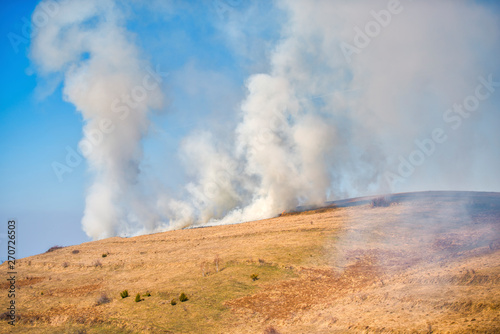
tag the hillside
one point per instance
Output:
(426, 262)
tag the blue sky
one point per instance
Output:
(33, 133)
(211, 51)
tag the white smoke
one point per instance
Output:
(106, 80)
(320, 126)
(326, 121)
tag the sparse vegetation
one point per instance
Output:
(183, 297)
(104, 254)
(494, 245)
(75, 251)
(217, 262)
(138, 298)
(7, 316)
(97, 264)
(54, 248)
(204, 269)
(271, 330)
(205, 266)
(124, 294)
(380, 202)
(392, 269)
(254, 277)
(65, 264)
(147, 294)
(78, 331)
(103, 299)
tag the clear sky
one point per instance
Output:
(33, 135)
(230, 64)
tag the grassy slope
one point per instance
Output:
(416, 266)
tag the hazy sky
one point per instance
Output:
(256, 107)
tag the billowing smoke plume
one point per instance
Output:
(106, 80)
(355, 88)
(360, 97)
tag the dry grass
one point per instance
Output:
(414, 267)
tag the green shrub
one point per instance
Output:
(104, 255)
(183, 297)
(254, 277)
(147, 294)
(124, 294)
(173, 302)
(138, 298)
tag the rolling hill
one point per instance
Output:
(406, 263)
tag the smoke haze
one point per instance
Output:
(325, 111)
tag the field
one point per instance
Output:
(415, 263)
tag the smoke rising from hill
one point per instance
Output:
(352, 91)
(105, 80)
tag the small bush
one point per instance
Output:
(124, 294)
(41, 293)
(147, 294)
(271, 330)
(494, 245)
(65, 264)
(204, 268)
(380, 202)
(104, 299)
(75, 251)
(254, 277)
(217, 262)
(97, 263)
(104, 255)
(6, 316)
(53, 248)
(173, 302)
(183, 297)
(138, 298)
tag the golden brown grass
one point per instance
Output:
(422, 266)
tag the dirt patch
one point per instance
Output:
(59, 315)
(27, 281)
(315, 286)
